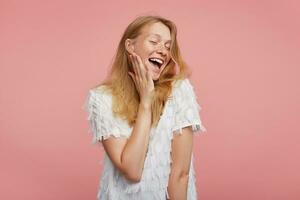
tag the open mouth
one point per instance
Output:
(156, 62)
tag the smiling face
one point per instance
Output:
(153, 46)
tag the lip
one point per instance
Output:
(163, 60)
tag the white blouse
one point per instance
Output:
(181, 110)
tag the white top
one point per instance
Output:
(181, 110)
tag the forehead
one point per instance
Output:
(157, 29)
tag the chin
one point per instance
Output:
(155, 77)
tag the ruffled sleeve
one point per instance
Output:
(186, 108)
(103, 124)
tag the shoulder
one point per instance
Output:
(101, 90)
(100, 95)
(182, 86)
(183, 92)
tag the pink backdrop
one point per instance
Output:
(245, 61)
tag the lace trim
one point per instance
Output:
(102, 123)
(183, 112)
(186, 108)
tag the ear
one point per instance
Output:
(129, 45)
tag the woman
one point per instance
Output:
(144, 115)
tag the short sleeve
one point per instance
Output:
(186, 108)
(102, 123)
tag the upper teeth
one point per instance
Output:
(157, 60)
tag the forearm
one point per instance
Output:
(134, 153)
(177, 187)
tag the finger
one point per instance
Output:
(148, 76)
(133, 65)
(132, 76)
(141, 67)
(137, 67)
(146, 67)
(147, 72)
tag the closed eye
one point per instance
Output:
(153, 42)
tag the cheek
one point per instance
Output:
(148, 48)
(144, 50)
(168, 60)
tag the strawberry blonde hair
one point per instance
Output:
(125, 98)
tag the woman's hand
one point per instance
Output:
(142, 80)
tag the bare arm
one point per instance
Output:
(128, 155)
(182, 147)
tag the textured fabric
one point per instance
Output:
(181, 110)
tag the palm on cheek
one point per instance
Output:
(142, 79)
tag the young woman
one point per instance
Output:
(145, 115)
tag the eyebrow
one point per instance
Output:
(159, 36)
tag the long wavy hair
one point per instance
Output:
(125, 98)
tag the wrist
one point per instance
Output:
(145, 106)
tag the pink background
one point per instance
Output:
(245, 58)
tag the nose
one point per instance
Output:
(162, 50)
